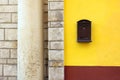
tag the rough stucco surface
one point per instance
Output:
(55, 39)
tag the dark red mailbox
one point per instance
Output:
(84, 31)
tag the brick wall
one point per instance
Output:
(56, 39)
(8, 39)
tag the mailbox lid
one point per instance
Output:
(84, 31)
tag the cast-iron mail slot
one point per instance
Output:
(84, 31)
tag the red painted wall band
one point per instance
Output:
(92, 73)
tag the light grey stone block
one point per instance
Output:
(57, 24)
(56, 5)
(3, 61)
(56, 55)
(57, 45)
(8, 25)
(3, 1)
(3, 78)
(56, 73)
(55, 34)
(14, 17)
(12, 61)
(13, 1)
(10, 70)
(56, 64)
(10, 34)
(13, 53)
(49, 24)
(8, 44)
(12, 78)
(4, 53)
(5, 17)
(55, 15)
(8, 8)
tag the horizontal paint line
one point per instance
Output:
(92, 72)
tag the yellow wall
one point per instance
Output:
(104, 50)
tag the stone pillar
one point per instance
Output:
(30, 40)
(56, 39)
